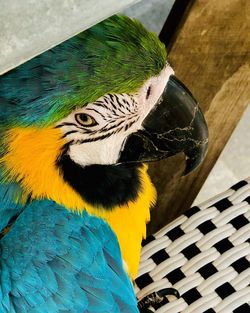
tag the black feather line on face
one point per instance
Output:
(81, 141)
(107, 128)
(65, 124)
(69, 133)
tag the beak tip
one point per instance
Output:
(194, 158)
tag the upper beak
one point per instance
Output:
(176, 124)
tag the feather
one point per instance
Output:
(74, 267)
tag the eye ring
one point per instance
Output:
(85, 120)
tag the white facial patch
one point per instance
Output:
(97, 132)
(105, 151)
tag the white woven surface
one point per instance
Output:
(205, 255)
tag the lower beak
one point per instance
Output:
(176, 124)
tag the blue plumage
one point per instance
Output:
(53, 260)
(8, 208)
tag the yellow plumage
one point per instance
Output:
(31, 159)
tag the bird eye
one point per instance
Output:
(148, 92)
(85, 120)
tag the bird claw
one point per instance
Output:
(145, 305)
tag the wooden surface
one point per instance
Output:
(28, 27)
(211, 55)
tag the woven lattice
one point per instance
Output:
(204, 254)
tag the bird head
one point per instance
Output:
(106, 97)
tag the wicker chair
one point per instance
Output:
(204, 254)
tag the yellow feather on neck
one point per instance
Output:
(31, 160)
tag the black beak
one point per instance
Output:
(176, 124)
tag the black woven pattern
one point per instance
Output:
(206, 256)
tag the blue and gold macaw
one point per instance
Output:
(77, 124)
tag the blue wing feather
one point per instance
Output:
(53, 260)
(8, 208)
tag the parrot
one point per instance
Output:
(79, 123)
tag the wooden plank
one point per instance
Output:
(211, 55)
(28, 27)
